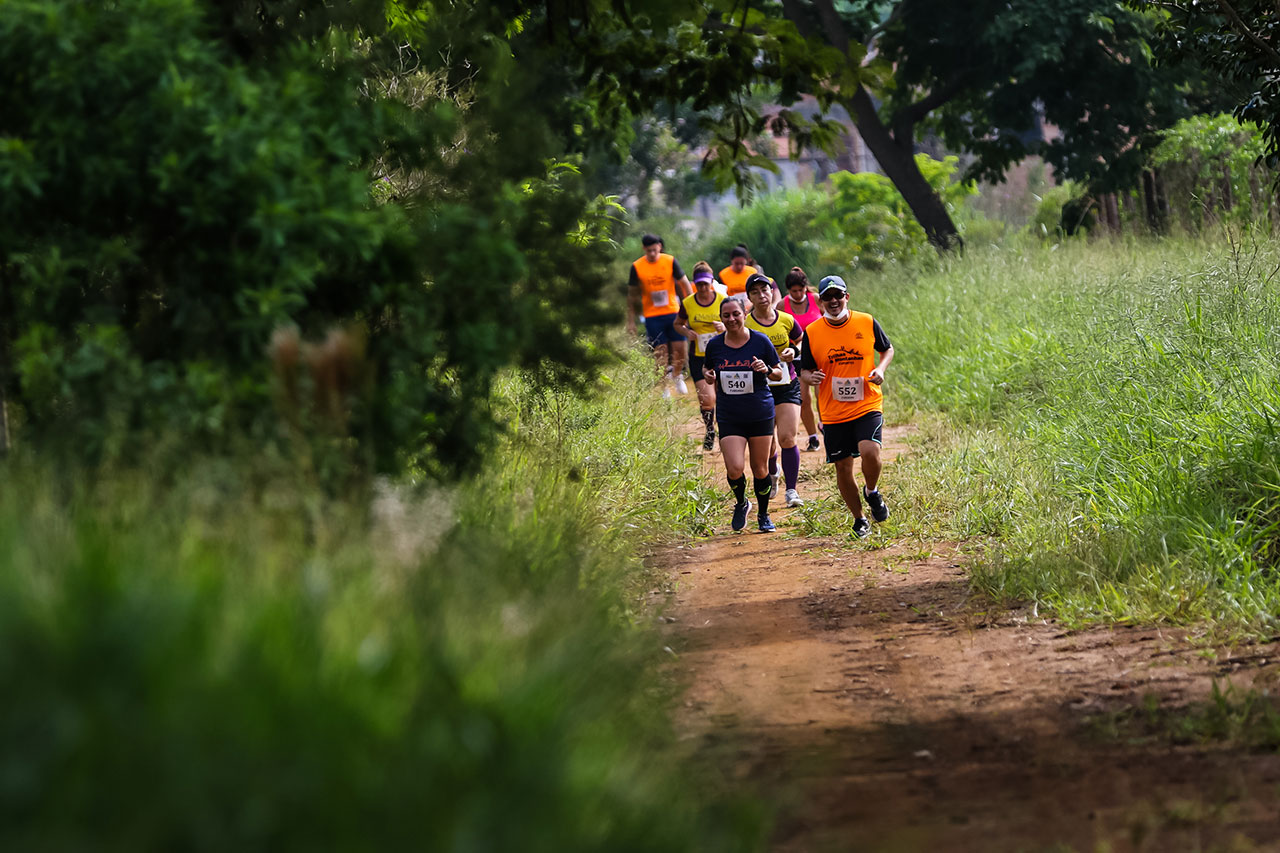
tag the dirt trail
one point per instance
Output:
(882, 708)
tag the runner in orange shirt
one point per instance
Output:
(839, 356)
(654, 290)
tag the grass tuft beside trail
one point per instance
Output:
(238, 662)
(1105, 415)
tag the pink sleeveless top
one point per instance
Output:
(802, 320)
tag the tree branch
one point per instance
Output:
(832, 28)
(1248, 33)
(905, 120)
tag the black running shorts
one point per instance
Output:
(745, 429)
(841, 440)
(789, 393)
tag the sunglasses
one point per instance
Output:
(833, 296)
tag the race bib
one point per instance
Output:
(660, 298)
(736, 381)
(703, 340)
(846, 389)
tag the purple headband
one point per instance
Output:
(703, 275)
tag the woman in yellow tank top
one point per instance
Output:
(699, 321)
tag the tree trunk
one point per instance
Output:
(1149, 200)
(1113, 212)
(899, 166)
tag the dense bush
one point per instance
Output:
(859, 221)
(1210, 168)
(181, 179)
(209, 667)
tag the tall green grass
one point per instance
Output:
(238, 662)
(1105, 415)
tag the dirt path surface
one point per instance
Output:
(864, 691)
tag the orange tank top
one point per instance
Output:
(657, 286)
(736, 282)
(846, 354)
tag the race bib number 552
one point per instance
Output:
(736, 381)
(846, 389)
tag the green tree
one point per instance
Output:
(983, 76)
(1240, 40)
(180, 181)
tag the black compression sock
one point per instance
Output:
(739, 487)
(709, 418)
(763, 485)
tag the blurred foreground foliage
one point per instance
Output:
(239, 662)
(182, 180)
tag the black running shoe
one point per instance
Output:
(766, 526)
(740, 514)
(861, 528)
(709, 441)
(878, 509)
(814, 443)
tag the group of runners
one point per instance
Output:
(756, 358)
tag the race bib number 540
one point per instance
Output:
(736, 381)
(846, 389)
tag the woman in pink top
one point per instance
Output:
(802, 305)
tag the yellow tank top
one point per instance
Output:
(702, 319)
(779, 334)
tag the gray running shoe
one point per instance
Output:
(793, 498)
(861, 528)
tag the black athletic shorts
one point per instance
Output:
(789, 393)
(841, 440)
(695, 366)
(746, 429)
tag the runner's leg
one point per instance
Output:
(788, 415)
(848, 485)
(734, 450)
(806, 410)
(760, 445)
(870, 452)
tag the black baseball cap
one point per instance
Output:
(832, 282)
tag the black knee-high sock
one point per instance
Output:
(763, 485)
(739, 487)
(709, 418)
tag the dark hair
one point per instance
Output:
(758, 280)
(739, 251)
(796, 276)
(649, 240)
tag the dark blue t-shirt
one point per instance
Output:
(742, 394)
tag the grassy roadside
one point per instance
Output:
(211, 665)
(1106, 416)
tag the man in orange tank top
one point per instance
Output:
(654, 290)
(839, 356)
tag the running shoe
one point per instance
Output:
(666, 393)
(681, 388)
(709, 440)
(773, 488)
(878, 510)
(766, 526)
(793, 498)
(814, 443)
(740, 514)
(861, 528)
